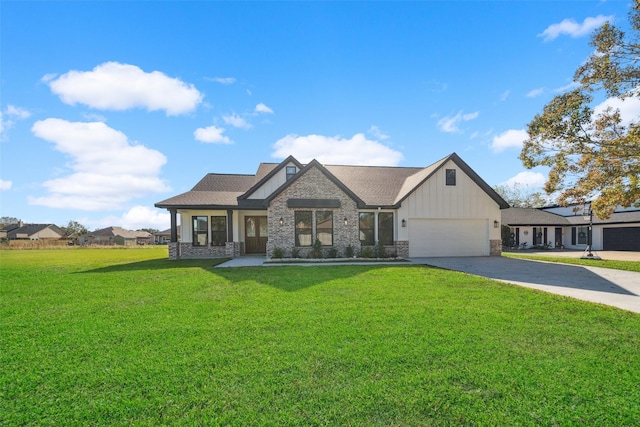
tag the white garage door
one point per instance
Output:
(448, 237)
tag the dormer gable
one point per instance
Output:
(314, 164)
(278, 176)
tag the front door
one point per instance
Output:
(558, 237)
(255, 234)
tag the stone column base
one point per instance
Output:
(495, 247)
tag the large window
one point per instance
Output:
(200, 230)
(451, 176)
(583, 233)
(385, 228)
(218, 230)
(324, 227)
(367, 228)
(303, 228)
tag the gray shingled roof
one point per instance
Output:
(374, 185)
(31, 229)
(531, 216)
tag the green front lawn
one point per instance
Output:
(120, 337)
(605, 263)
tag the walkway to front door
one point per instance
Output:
(255, 238)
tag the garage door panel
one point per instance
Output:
(446, 237)
(621, 239)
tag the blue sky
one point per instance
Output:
(109, 107)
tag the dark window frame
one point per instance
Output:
(385, 228)
(218, 236)
(369, 232)
(450, 177)
(323, 230)
(300, 218)
(290, 171)
(197, 231)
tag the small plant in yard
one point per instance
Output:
(349, 252)
(278, 253)
(367, 252)
(333, 253)
(317, 249)
(380, 251)
(295, 253)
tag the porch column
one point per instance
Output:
(229, 225)
(174, 225)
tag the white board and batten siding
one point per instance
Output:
(449, 220)
(275, 182)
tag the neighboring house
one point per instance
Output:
(568, 227)
(116, 236)
(23, 231)
(445, 209)
(163, 237)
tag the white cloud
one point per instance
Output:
(10, 116)
(115, 86)
(222, 80)
(535, 92)
(136, 218)
(450, 124)
(5, 185)
(262, 108)
(567, 87)
(236, 121)
(571, 28)
(629, 109)
(357, 150)
(526, 179)
(377, 133)
(107, 169)
(211, 135)
(513, 138)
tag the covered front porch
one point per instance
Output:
(217, 233)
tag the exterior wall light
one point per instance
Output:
(345, 221)
(281, 221)
(495, 223)
(404, 222)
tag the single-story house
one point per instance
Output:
(444, 209)
(23, 231)
(163, 237)
(116, 236)
(568, 227)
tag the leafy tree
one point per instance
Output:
(150, 230)
(6, 220)
(521, 196)
(74, 227)
(593, 154)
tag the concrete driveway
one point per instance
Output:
(600, 285)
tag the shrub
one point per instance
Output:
(317, 249)
(349, 252)
(278, 253)
(295, 253)
(367, 252)
(333, 253)
(380, 252)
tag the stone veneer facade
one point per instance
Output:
(314, 185)
(495, 247)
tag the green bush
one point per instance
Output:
(367, 252)
(295, 253)
(317, 249)
(278, 253)
(333, 253)
(380, 252)
(349, 252)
